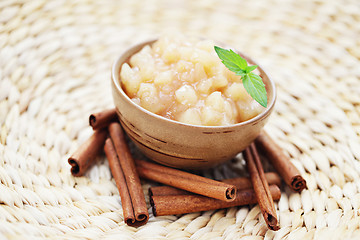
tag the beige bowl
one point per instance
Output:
(180, 145)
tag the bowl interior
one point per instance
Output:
(125, 56)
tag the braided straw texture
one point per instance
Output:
(55, 60)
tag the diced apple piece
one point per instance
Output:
(237, 92)
(149, 98)
(163, 78)
(204, 58)
(146, 89)
(231, 76)
(211, 117)
(136, 100)
(248, 109)
(146, 50)
(130, 80)
(184, 66)
(215, 101)
(204, 86)
(147, 74)
(219, 81)
(190, 116)
(142, 58)
(207, 45)
(230, 113)
(187, 76)
(171, 54)
(160, 45)
(229, 110)
(186, 53)
(186, 95)
(199, 72)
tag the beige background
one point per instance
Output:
(55, 60)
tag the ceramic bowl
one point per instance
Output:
(180, 145)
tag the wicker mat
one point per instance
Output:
(55, 59)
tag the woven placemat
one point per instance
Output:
(55, 59)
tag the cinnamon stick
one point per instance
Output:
(130, 174)
(244, 182)
(281, 162)
(240, 183)
(167, 191)
(86, 154)
(261, 187)
(118, 174)
(102, 119)
(181, 204)
(186, 181)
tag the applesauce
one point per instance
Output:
(184, 80)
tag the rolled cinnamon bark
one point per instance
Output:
(186, 181)
(240, 183)
(130, 174)
(117, 172)
(181, 204)
(244, 182)
(167, 191)
(86, 154)
(103, 119)
(280, 162)
(261, 187)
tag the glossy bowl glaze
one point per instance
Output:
(180, 145)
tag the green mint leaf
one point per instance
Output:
(256, 88)
(253, 83)
(233, 61)
(240, 72)
(250, 68)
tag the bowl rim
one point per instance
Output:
(115, 78)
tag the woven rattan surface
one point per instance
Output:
(55, 60)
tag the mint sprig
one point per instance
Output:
(252, 82)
